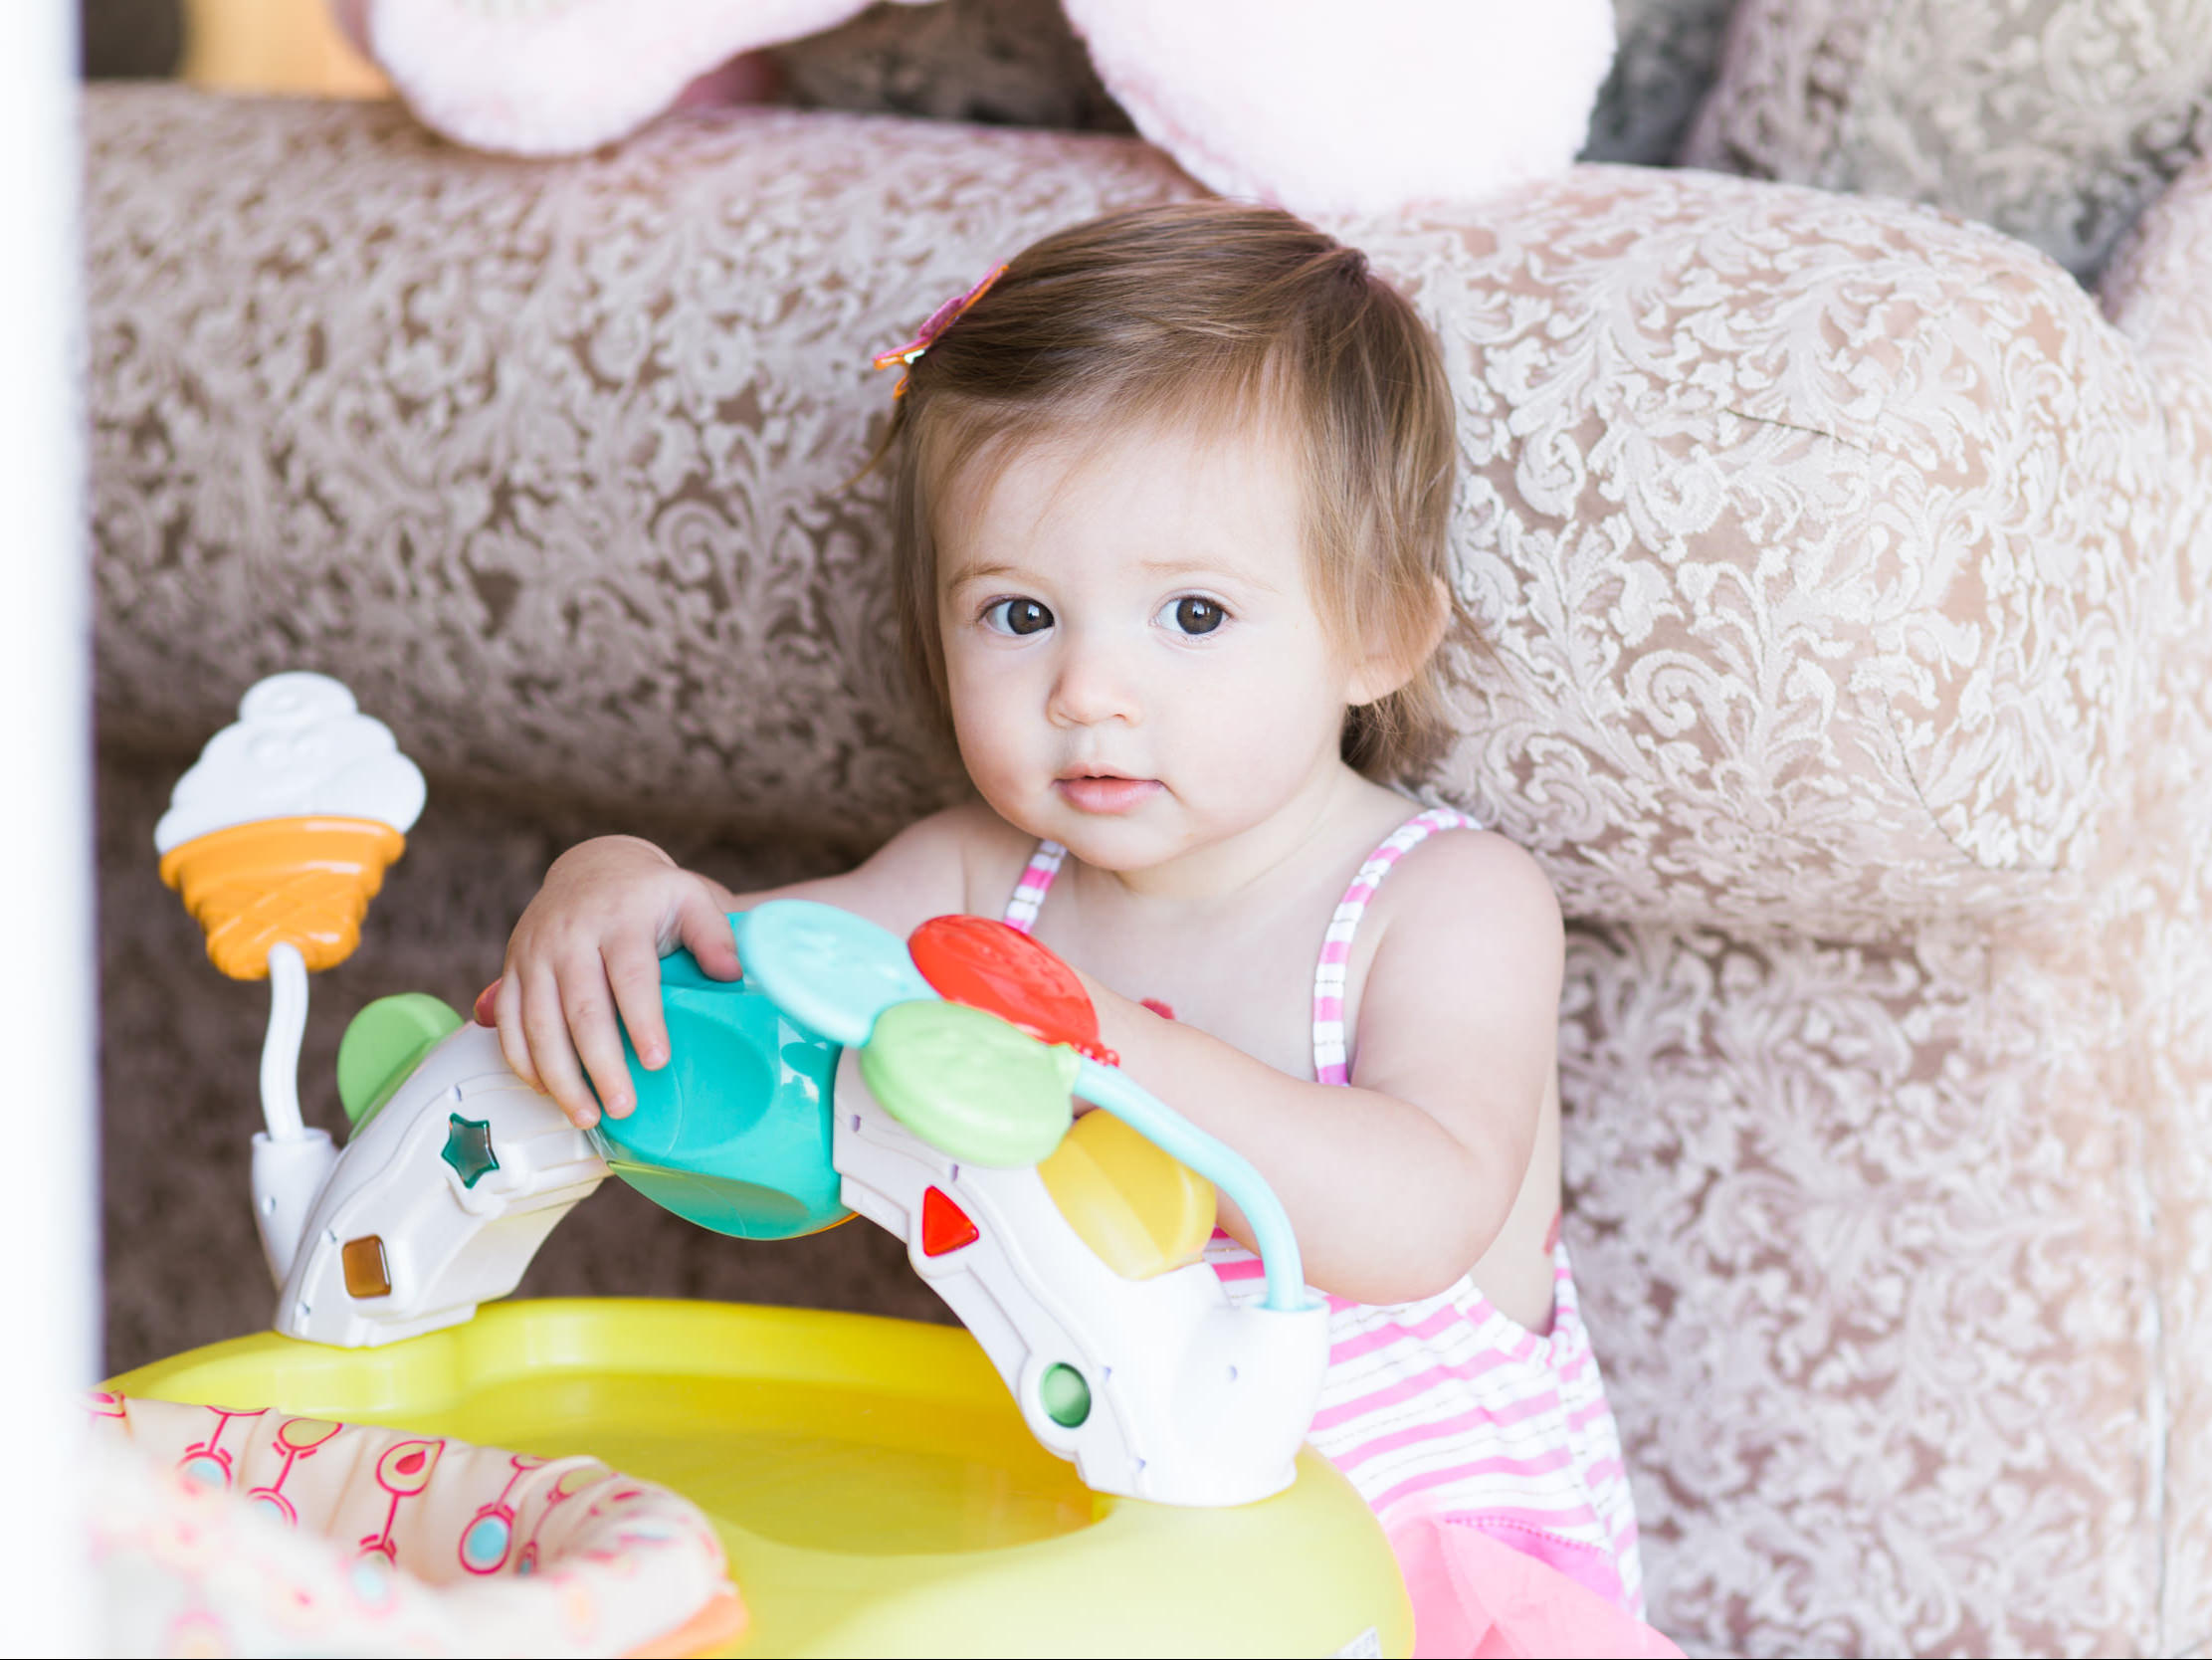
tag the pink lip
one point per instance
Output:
(1100, 793)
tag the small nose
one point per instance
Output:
(1092, 685)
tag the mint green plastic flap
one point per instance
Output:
(969, 1084)
(828, 969)
(385, 1042)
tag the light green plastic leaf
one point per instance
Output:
(969, 1084)
(384, 1043)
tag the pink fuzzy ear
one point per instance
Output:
(556, 76)
(1328, 107)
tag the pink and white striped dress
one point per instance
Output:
(1462, 1428)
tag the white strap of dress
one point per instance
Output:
(1328, 976)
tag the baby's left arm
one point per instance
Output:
(1397, 1184)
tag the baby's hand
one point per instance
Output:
(588, 946)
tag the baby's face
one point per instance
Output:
(1135, 663)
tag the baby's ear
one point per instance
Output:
(1396, 645)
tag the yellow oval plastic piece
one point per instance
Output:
(304, 882)
(872, 1480)
(1144, 1211)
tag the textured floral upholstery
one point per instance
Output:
(1847, 571)
(2056, 122)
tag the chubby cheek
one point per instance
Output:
(996, 724)
(1246, 742)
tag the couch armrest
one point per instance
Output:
(1810, 531)
(1814, 535)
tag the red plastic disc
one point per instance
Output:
(988, 965)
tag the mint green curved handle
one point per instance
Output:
(1220, 1163)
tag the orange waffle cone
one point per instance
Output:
(304, 882)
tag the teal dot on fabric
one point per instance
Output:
(203, 1471)
(483, 1545)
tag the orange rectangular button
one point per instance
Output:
(366, 1274)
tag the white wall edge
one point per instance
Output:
(49, 1241)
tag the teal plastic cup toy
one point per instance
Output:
(737, 1132)
(733, 1132)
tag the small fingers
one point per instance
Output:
(704, 930)
(635, 974)
(514, 1043)
(552, 1054)
(588, 1006)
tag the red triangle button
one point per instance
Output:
(944, 1225)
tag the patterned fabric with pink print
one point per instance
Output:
(254, 1530)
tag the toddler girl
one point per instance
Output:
(1170, 509)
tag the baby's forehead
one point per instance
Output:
(1144, 503)
(1185, 476)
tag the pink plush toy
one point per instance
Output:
(1325, 107)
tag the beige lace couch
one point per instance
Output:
(1847, 569)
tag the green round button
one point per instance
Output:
(1066, 1395)
(969, 1084)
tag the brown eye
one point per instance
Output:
(1018, 616)
(1193, 615)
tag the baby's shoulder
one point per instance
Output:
(1466, 948)
(1457, 888)
(964, 857)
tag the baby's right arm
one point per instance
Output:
(588, 948)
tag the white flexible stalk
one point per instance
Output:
(291, 1162)
(280, 1050)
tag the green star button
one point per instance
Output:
(468, 1149)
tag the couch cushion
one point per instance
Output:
(2055, 123)
(1808, 530)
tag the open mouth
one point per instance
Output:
(1106, 793)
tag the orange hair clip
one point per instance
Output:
(943, 317)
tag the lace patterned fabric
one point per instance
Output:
(2056, 122)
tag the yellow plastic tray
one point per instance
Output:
(872, 1481)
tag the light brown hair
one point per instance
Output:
(1204, 311)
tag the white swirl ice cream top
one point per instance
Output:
(299, 748)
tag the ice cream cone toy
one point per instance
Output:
(303, 881)
(281, 834)
(276, 840)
